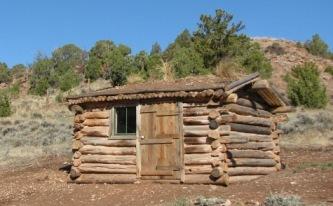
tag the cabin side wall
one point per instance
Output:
(97, 158)
(234, 141)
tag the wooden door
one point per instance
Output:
(160, 141)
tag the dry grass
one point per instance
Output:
(229, 69)
(308, 128)
(39, 127)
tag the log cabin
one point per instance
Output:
(198, 130)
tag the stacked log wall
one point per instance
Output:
(234, 141)
(97, 158)
(204, 156)
(253, 143)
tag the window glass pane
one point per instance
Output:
(120, 120)
(131, 120)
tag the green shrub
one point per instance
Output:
(5, 105)
(68, 80)
(317, 46)
(329, 69)
(275, 48)
(60, 97)
(4, 73)
(305, 88)
(283, 200)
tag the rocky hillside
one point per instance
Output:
(293, 54)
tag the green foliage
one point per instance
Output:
(329, 69)
(18, 71)
(5, 105)
(305, 88)
(283, 200)
(68, 80)
(4, 73)
(275, 48)
(213, 36)
(254, 61)
(109, 61)
(68, 62)
(60, 97)
(155, 49)
(148, 66)
(186, 61)
(317, 46)
(41, 77)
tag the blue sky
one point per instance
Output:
(28, 27)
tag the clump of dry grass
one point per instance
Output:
(229, 69)
(135, 78)
(308, 128)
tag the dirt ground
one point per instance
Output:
(46, 185)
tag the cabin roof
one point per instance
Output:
(202, 86)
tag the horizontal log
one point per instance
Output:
(251, 137)
(251, 162)
(248, 79)
(238, 109)
(77, 155)
(107, 168)
(78, 135)
(250, 120)
(100, 141)
(198, 120)
(206, 179)
(196, 111)
(74, 173)
(250, 154)
(225, 118)
(89, 149)
(233, 139)
(231, 98)
(250, 128)
(283, 109)
(236, 171)
(107, 178)
(77, 109)
(109, 159)
(97, 115)
(251, 103)
(198, 169)
(76, 145)
(76, 162)
(197, 140)
(243, 178)
(213, 114)
(79, 118)
(204, 130)
(78, 126)
(96, 122)
(99, 131)
(192, 149)
(265, 146)
(199, 159)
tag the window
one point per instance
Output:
(124, 120)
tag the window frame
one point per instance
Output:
(113, 134)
